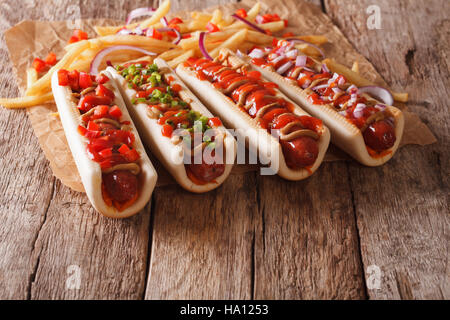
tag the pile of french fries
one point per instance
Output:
(232, 34)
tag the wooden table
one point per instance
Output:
(255, 237)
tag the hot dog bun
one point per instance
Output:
(89, 170)
(344, 134)
(163, 147)
(236, 118)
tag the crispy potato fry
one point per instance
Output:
(44, 82)
(226, 21)
(201, 16)
(31, 77)
(355, 67)
(195, 25)
(80, 65)
(216, 17)
(308, 50)
(180, 59)
(25, 102)
(106, 31)
(231, 43)
(358, 80)
(162, 10)
(272, 26)
(171, 54)
(258, 37)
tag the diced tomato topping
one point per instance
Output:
(73, 39)
(106, 153)
(51, 59)
(92, 134)
(39, 65)
(242, 13)
(74, 77)
(211, 27)
(106, 164)
(85, 80)
(82, 130)
(103, 91)
(115, 112)
(63, 77)
(132, 155)
(285, 23)
(215, 122)
(175, 20)
(186, 36)
(101, 111)
(123, 149)
(167, 130)
(101, 79)
(176, 87)
(288, 34)
(93, 126)
(153, 33)
(81, 35)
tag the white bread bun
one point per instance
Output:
(344, 134)
(163, 147)
(258, 138)
(90, 171)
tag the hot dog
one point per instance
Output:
(275, 126)
(116, 173)
(360, 125)
(168, 116)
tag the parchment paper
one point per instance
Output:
(31, 39)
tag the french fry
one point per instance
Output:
(180, 59)
(25, 102)
(44, 82)
(225, 22)
(195, 25)
(231, 43)
(171, 54)
(201, 16)
(272, 26)
(106, 31)
(31, 77)
(358, 80)
(162, 10)
(308, 50)
(317, 40)
(258, 37)
(355, 67)
(216, 17)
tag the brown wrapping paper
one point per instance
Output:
(31, 39)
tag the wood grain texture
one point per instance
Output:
(203, 244)
(402, 208)
(307, 242)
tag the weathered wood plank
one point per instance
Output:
(307, 243)
(47, 226)
(402, 208)
(202, 245)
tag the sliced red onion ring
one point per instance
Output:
(201, 45)
(285, 67)
(139, 12)
(309, 69)
(103, 53)
(292, 53)
(109, 63)
(254, 26)
(259, 19)
(278, 59)
(164, 22)
(380, 107)
(300, 61)
(125, 32)
(256, 53)
(325, 68)
(178, 38)
(322, 86)
(239, 53)
(308, 43)
(379, 93)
